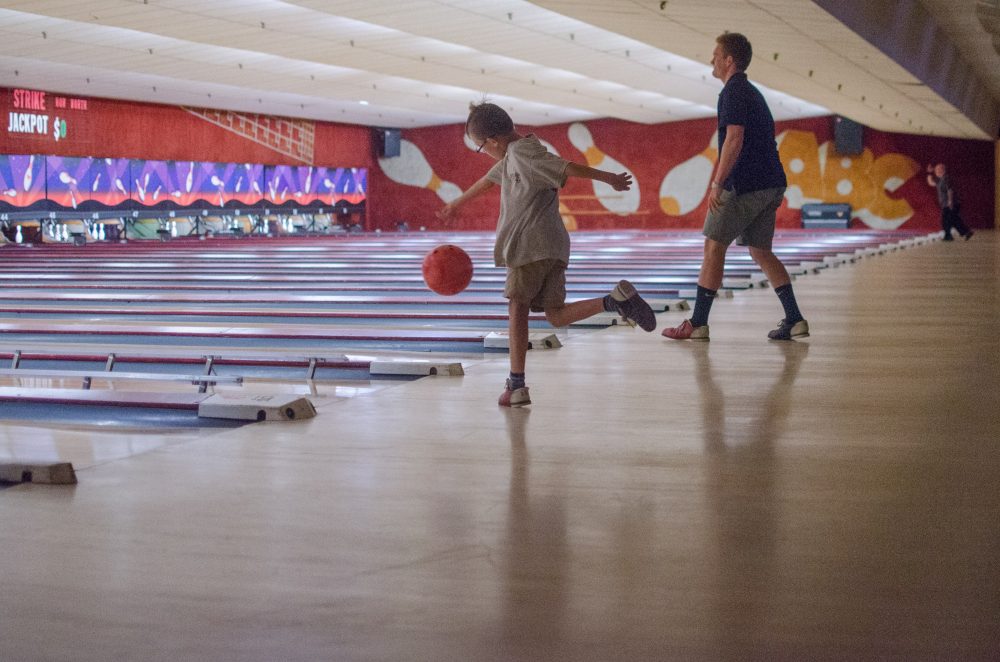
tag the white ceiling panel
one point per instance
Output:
(420, 63)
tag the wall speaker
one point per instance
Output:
(388, 142)
(848, 136)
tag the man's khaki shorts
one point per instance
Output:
(540, 284)
(748, 217)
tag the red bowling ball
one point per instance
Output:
(447, 269)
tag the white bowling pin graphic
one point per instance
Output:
(140, 190)
(621, 202)
(10, 193)
(284, 192)
(412, 169)
(97, 180)
(256, 187)
(239, 184)
(218, 183)
(330, 187)
(156, 193)
(547, 145)
(70, 183)
(309, 178)
(17, 236)
(568, 219)
(685, 185)
(28, 174)
(190, 178)
(359, 186)
(120, 187)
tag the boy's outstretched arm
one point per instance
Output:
(620, 182)
(480, 187)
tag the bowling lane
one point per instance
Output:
(328, 294)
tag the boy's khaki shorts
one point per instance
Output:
(540, 284)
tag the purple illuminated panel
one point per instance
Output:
(305, 186)
(22, 182)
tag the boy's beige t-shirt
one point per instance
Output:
(530, 227)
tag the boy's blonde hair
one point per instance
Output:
(488, 120)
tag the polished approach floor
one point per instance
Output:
(829, 499)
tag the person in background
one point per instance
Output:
(937, 176)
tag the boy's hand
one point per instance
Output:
(620, 182)
(447, 211)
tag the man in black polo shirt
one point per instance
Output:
(747, 190)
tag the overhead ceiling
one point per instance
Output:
(421, 62)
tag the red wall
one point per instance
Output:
(124, 129)
(107, 128)
(653, 151)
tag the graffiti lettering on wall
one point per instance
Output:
(815, 174)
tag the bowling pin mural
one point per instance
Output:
(216, 182)
(684, 187)
(815, 174)
(70, 183)
(97, 181)
(411, 168)
(28, 175)
(619, 202)
(273, 188)
(567, 216)
(358, 178)
(189, 182)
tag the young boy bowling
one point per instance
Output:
(532, 241)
